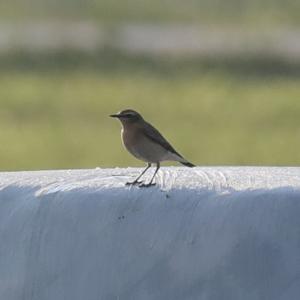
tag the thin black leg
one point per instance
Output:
(151, 181)
(136, 181)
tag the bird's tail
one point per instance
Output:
(180, 159)
(188, 164)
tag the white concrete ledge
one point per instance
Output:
(202, 233)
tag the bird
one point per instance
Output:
(146, 143)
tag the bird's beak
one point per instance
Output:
(115, 116)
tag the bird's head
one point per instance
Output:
(128, 116)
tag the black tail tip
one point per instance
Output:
(188, 164)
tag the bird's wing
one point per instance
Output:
(154, 135)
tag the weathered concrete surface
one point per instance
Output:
(202, 233)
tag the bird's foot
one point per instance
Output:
(146, 185)
(134, 183)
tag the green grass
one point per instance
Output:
(59, 119)
(254, 12)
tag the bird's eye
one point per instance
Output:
(130, 115)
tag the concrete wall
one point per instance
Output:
(203, 233)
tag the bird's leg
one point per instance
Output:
(151, 181)
(136, 181)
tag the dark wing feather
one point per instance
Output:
(154, 135)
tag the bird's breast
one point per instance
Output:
(142, 147)
(130, 140)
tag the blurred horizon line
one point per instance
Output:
(164, 40)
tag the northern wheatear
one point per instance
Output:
(145, 142)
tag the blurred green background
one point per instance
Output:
(233, 109)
